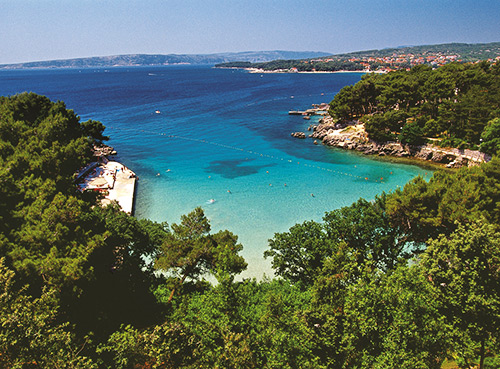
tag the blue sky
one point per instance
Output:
(32, 30)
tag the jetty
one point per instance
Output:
(114, 180)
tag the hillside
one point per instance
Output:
(384, 59)
(156, 60)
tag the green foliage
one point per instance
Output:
(29, 335)
(56, 239)
(411, 134)
(490, 138)
(464, 267)
(425, 210)
(377, 129)
(190, 251)
(393, 321)
(362, 229)
(46, 226)
(163, 346)
(298, 255)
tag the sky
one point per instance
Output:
(36, 30)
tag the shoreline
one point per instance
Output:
(354, 137)
(264, 71)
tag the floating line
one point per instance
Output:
(200, 140)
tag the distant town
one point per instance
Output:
(384, 60)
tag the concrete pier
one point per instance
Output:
(115, 181)
(123, 190)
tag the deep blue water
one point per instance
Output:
(221, 135)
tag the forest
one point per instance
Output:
(410, 279)
(456, 105)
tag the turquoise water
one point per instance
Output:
(195, 134)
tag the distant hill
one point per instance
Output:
(156, 60)
(466, 52)
(382, 60)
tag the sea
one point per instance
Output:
(220, 139)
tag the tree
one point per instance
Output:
(190, 251)
(392, 320)
(166, 346)
(378, 129)
(465, 269)
(364, 227)
(491, 138)
(411, 134)
(298, 255)
(30, 336)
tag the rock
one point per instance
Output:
(315, 142)
(298, 134)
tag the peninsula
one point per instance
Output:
(448, 115)
(355, 137)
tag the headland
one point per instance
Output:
(354, 137)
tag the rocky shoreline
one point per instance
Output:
(354, 137)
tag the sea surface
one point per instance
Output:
(220, 139)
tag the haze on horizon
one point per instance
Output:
(37, 30)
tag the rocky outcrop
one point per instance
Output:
(103, 151)
(298, 134)
(354, 137)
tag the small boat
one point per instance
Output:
(157, 112)
(211, 201)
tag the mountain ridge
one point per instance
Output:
(165, 59)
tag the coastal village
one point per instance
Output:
(112, 179)
(380, 61)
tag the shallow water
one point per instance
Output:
(195, 134)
